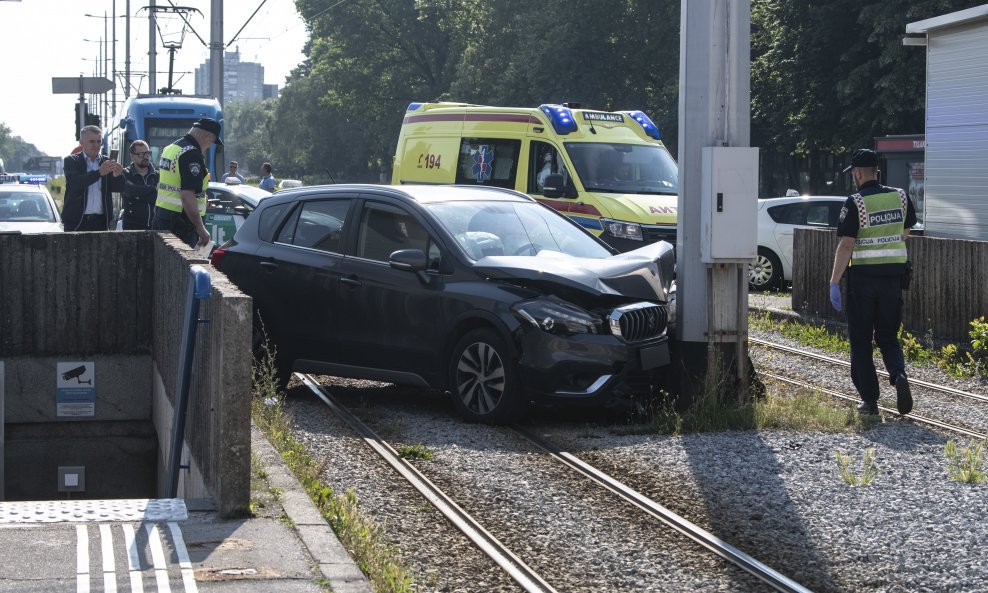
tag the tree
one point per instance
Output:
(249, 130)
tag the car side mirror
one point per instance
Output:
(555, 187)
(241, 210)
(409, 260)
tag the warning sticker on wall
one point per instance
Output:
(75, 389)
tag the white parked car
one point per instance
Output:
(777, 220)
(287, 183)
(27, 208)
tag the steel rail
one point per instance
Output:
(919, 382)
(855, 398)
(522, 574)
(772, 577)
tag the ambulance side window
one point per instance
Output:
(488, 161)
(544, 159)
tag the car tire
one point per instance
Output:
(483, 379)
(261, 344)
(766, 272)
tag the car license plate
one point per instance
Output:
(654, 356)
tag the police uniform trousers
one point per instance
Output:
(874, 308)
(176, 223)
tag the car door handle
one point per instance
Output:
(351, 281)
(269, 266)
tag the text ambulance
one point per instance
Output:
(608, 171)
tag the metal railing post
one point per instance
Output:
(199, 290)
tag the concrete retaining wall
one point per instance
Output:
(116, 300)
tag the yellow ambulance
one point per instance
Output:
(608, 171)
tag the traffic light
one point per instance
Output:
(92, 119)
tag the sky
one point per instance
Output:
(43, 39)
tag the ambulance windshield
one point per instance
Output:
(624, 168)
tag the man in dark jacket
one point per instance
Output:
(140, 188)
(90, 178)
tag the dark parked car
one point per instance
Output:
(482, 292)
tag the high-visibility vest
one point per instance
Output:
(170, 181)
(881, 222)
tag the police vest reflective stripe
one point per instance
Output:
(170, 181)
(881, 222)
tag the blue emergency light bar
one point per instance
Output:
(34, 179)
(651, 130)
(561, 118)
(413, 106)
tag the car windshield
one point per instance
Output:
(513, 228)
(624, 168)
(25, 207)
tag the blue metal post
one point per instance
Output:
(199, 290)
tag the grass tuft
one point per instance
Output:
(868, 468)
(415, 452)
(967, 464)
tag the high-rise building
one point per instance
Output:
(242, 81)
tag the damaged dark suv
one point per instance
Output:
(478, 291)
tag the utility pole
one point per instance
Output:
(718, 193)
(113, 77)
(152, 52)
(127, 55)
(216, 49)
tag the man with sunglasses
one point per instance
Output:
(140, 188)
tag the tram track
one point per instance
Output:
(956, 397)
(525, 576)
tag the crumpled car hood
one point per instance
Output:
(645, 273)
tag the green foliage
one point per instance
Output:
(415, 452)
(863, 477)
(361, 536)
(966, 465)
(14, 151)
(979, 336)
(247, 138)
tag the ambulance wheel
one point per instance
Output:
(483, 380)
(766, 272)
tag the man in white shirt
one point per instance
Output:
(90, 179)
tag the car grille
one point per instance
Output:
(638, 321)
(653, 233)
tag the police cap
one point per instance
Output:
(863, 157)
(210, 125)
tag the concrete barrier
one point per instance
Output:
(113, 301)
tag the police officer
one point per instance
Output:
(181, 202)
(873, 227)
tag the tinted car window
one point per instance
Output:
(818, 214)
(317, 225)
(385, 229)
(788, 214)
(270, 218)
(320, 225)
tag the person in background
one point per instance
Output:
(873, 227)
(140, 188)
(90, 178)
(267, 179)
(183, 179)
(233, 172)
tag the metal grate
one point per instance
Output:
(639, 321)
(80, 511)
